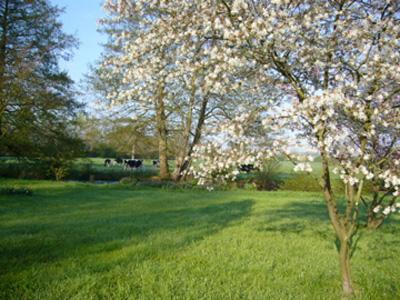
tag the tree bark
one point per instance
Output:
(162, 134)
(133, 150)
(374, 223)
(343, 230)
(344, 260)
(3, 48)
(196, 139)
(3, 41)
(181, 156)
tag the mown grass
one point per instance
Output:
(82, 241)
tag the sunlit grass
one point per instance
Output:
(84, 241)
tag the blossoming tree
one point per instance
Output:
(334, 66)
(338, 63)
(160, 67)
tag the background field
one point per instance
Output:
(81, 169)
(84, 241)
(85, 169)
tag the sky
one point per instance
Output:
(80, 19)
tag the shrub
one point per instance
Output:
(128, 180)
(301, 182)
(84, 171)
(16, 191)
(35, 169)
(266, 179)
(308, 183)
(58, 169)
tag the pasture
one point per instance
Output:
(86, 241)
(80, 169)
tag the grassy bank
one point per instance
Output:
(84, 241)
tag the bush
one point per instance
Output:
(16, 191)
(129, 180)
(35, 169)
(57, 168)
(308, 183)
(65, 170)
(264, 180)
(301, 182)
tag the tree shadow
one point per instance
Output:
(108, 224)
(309, 217)
(295, 217)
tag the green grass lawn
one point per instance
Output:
(81, 241)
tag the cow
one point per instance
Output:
(107, 162)
(156, 163)
(119, 161)
(133, 163)
(247, 168)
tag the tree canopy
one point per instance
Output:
(37, 100)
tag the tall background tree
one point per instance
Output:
(37, 100)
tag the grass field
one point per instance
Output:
(81, 241)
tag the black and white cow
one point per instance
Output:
(247, 168)
(156, 163)
(119, 161)
(133, 163)
(107, 162)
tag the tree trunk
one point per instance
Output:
(344, 260)
(3, 48)
(133, 151)
(181, 157)
(162, 134)
(343, 230)
(196, 139)
(3, 41)
(374, 223)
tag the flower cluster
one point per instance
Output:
(387, 210)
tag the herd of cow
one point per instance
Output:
(138, 163)
(128, 163)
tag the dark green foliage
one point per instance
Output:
(46, 169)
(16, 191)
(37, 105)
(267, 179)
(83, 172)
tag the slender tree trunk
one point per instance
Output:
(374, 223)
(133, 151)
(3, 41)
(181, 156)
(162, 134)
(3, 48)
(343, 230)
(196, 139)
(344, 260)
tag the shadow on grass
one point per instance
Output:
(295, 217)
(307, 216)
(110, 224)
